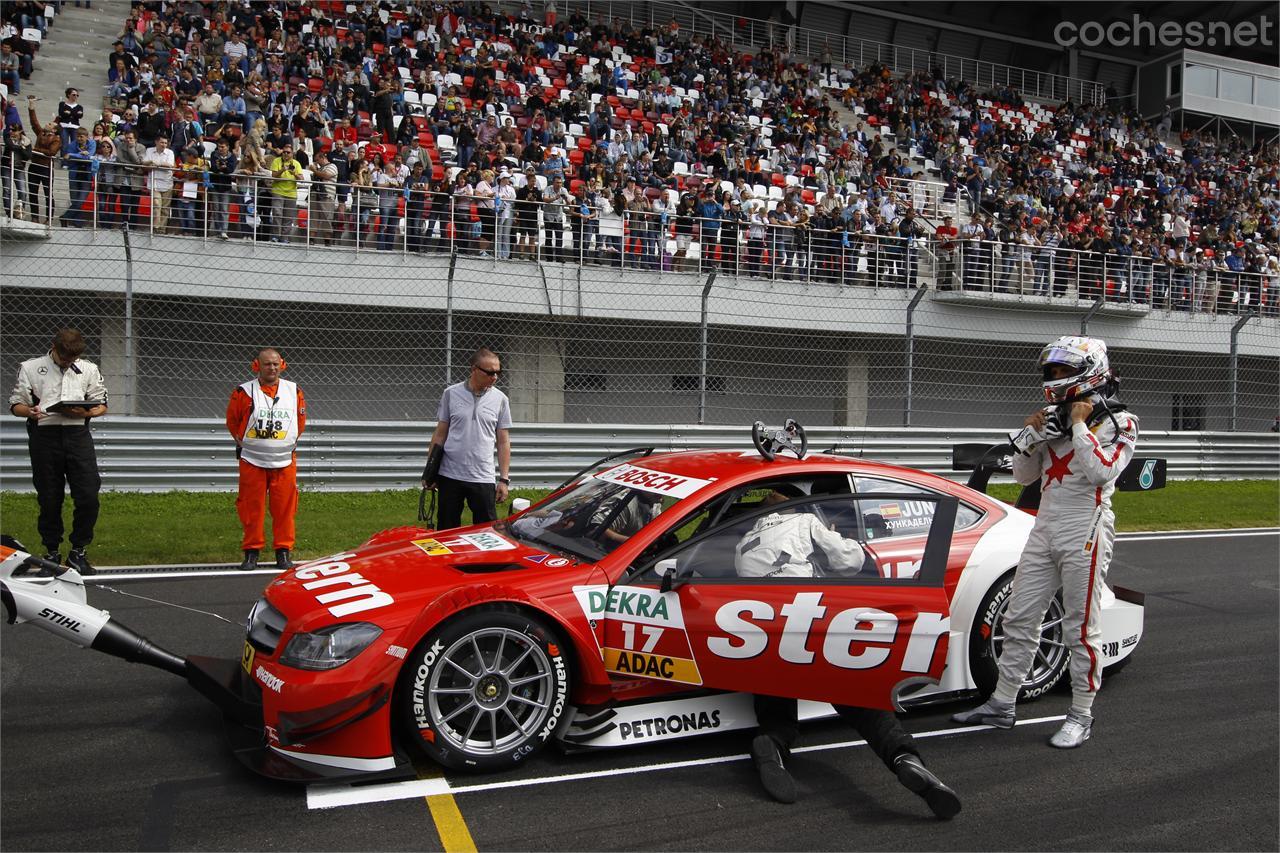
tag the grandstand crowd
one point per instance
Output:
(515, 131)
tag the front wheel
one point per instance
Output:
(486, 690)
(986, 641)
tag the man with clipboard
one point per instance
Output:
(57, 393)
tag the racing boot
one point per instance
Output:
(992, 712)
(77, 560)
(915, 777)
(250, 560)
(1074, 732)
(775, 778)
(284, 562)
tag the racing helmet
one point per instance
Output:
(1086, 358)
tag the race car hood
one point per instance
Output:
(387, 581)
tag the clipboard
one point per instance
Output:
(61, 406)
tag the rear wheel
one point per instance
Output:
(986, 641)
(486, 690)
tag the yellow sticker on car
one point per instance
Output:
(432, 547)
(246, 658)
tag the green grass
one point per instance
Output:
(194, 527)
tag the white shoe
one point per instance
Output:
(1074, 732)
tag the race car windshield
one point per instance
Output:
(589, 520)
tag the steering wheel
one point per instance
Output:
(769, 442)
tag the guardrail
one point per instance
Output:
(162, 454)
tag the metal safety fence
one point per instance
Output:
(762, 231)
(157, 455)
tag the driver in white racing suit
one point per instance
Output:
(1076, 448)
(782, 544)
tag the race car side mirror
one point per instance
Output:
(670, 574)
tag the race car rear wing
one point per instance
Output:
(1142, 474)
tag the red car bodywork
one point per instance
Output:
(744, 635)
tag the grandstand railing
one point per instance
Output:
(856, 52)
(386, 220)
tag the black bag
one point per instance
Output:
(432, 469)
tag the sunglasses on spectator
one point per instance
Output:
(494, 373)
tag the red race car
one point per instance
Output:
(640, 601)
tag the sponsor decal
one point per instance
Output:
(890, 510)
(61, 620)
(855, 638)
(420, 689)
(432, 547)
(562, 692)
(655, 482)
(644, 632)
(42, 370)
(357, 596)
(269, 681)
(484, 541)
(557, 562)
(662, 667)
(272, 735)
(537, 558)
(672, 724)
(1131, 640)
(397, 651)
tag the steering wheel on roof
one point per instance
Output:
(790, 437)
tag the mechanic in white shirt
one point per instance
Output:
(781, 544)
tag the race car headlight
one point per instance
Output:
(329, 648)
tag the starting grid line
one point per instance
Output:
(329, 797)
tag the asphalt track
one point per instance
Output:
(101, 755)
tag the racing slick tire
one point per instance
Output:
(486, 690)
(987, 637)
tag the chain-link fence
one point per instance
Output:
(646, 315)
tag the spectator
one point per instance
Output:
(79, 157)
(222, 169)
(324, 174)
(285, 172)
(10, 68)
(130, 155)
(44, 153)
(70, 112)
(266, 416)
(189, 203)
(59, 441)
(504, 199)
(160, 165)
(554, 201)
(528, 199)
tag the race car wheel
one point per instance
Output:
(486, 690)
(986, 641)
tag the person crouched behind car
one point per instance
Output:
(782, 544)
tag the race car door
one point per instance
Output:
(786, 601)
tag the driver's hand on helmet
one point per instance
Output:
(1036, 420)
(1080, 411)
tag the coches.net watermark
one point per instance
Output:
(1139, 33)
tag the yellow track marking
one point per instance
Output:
(452, 827)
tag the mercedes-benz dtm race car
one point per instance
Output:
(611, 614)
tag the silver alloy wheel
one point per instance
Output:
(1052, 652)
(492, 690)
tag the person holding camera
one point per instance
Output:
(57, 393)
(472, 419)
(285, 171)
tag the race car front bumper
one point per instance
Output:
(266, 749)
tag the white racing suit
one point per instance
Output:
(1070, 546)
(779, 545)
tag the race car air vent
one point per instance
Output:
(266, 624)
(488, 568)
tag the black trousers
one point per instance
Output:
(64, 455)
(481, 497)
(777, 718)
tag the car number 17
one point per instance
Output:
(652, 634)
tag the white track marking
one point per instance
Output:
(328, 797)
(105, 575)
(1215, 534)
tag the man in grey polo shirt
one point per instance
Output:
(472, 418)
